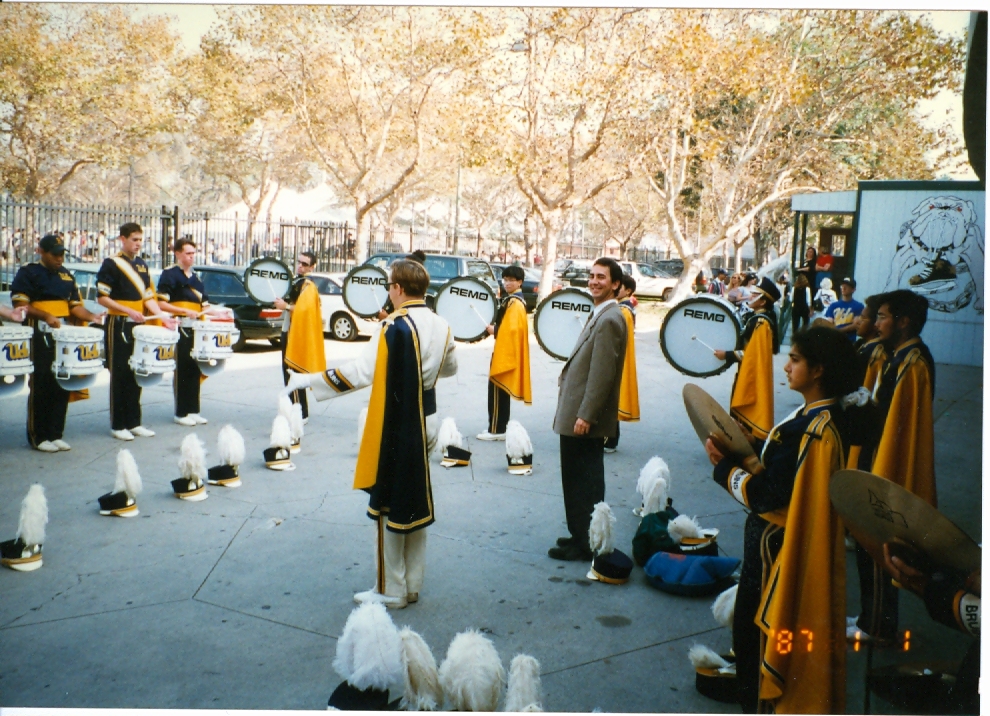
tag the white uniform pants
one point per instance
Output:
(400, 560)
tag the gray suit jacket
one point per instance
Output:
(589, 383)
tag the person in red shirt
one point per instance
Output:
(823, 265)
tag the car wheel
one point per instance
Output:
(666, 294)
(276, 342)
(342, 327)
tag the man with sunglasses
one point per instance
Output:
(302, 328)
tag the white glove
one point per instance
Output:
(298, 381)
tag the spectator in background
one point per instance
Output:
(734, 291)
(800, 303)
(809, 267)
(825, 296)
(718, 283)
(823, 266)
(843, 313)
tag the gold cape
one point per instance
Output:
(304, 348)
(366, 470)
(803, 610)
(629, 388)
(510, 359)
(906, 453)
(752, 393)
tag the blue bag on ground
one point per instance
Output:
(690, 575)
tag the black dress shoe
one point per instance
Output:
(571, 553)
(564, 541)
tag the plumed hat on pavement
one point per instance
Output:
(192, 468)
(472, 675)
(654, 486)
(525, 690)
(610, 565)
(23, 553)
(369, 659)
(122, 502)
(714, 675)
(422, 692)
(230, 445)
(518, 449)
(278, 456)
(450, 442)
(691, 538)
(724, 606)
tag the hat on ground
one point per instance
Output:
(653, 484)
(769, 289)
(525, 690)
(714, 675)
(690, 575)
(691, 538)
(451, 445)
(122, 502)
(52, 244)
(23, 553)
(192, 468)
(368, 658)
(472, 675)
(518, 449)
(278, 455)
(230, 445)
(422, 679)
(609, 565)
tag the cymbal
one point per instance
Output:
(877, 511)
(709, 418)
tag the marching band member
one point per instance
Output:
(508, 376)
(792, 589)
(752, 392)
(181, 293)
(302, 328)
(49, 294)
(125, 289)
(629, 390)
(413, 348)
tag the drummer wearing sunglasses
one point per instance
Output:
(302, 328)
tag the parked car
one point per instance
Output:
(442, 268)
(674, 267)
(338, 320)
(576, 273)
(530, 286)
(650, 282)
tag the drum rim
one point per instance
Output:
(173, 335)
(343, 288)
(663, 347)
(491, 295)
(539, 308)
(25, 332)
(70, 330)
(247, 286)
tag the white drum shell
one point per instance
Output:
(78, 356)
(153, 354)
(365, 290)
(15, 360)
(711, 320)
(468, 305)
(213, 344)
(559, 319)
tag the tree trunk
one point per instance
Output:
(553, 222)
(362, 233)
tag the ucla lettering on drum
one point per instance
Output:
(88, 352)
(17, 351)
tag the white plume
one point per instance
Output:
(192, 460)
(34, 516)
(656, 497)
(517, 442)
(683, 526)
(423, 692)
(296, 422)
(449, 435)
(281, 434)
(656, 467)
(230, 445)
(600, 537)
(724, 606)
(472, 675)
(284, 405)
(362, 419)
(525, 691)
(704, 658)
(128, 477)
(369, 651)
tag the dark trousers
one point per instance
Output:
(297, 396)
(47, 403)
(799, 318)
(582, 476)
(747, 639)
(612, 443)
(877, 598)
(125, 393)
(185, 383)
(498, 409)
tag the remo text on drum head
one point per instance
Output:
(267, 279)
(366, 290)
(709, 418)
(559, 319)
(694, 329)
(468, 305)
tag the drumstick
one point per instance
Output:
(695, 338)
(478, 314)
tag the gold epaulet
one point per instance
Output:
(816, 428)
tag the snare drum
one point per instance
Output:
(693, 329)
(559, 320)
(153, 354)
(15, 359)
(213, 343)
(78, 356)
(468, 305)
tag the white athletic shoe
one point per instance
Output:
(373, 597)
(610, 450)
(200, 420)
(186, 420)
(61, 444)
(143, 432)
(124, 434)
(46, 446)
(491, 437)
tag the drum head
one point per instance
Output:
(267, 279)
(708, 417)
(366, 291)
(468, 305)
(692, 324)
(559, 319)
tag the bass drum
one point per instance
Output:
(693, 329)
(468, 306)
(559, 319)
(267, 279)
(365, 291)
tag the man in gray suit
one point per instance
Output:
(588, 408)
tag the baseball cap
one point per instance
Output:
(850, 281)
(52, 244)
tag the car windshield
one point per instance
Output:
(218, 283)
(533, 274)
(646, 270)
(326, 285)
(441, 267)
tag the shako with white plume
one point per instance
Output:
(192, 469)
(122, 502)
(23, 553)
(230, 446)
(518, 449)
(609, 565)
